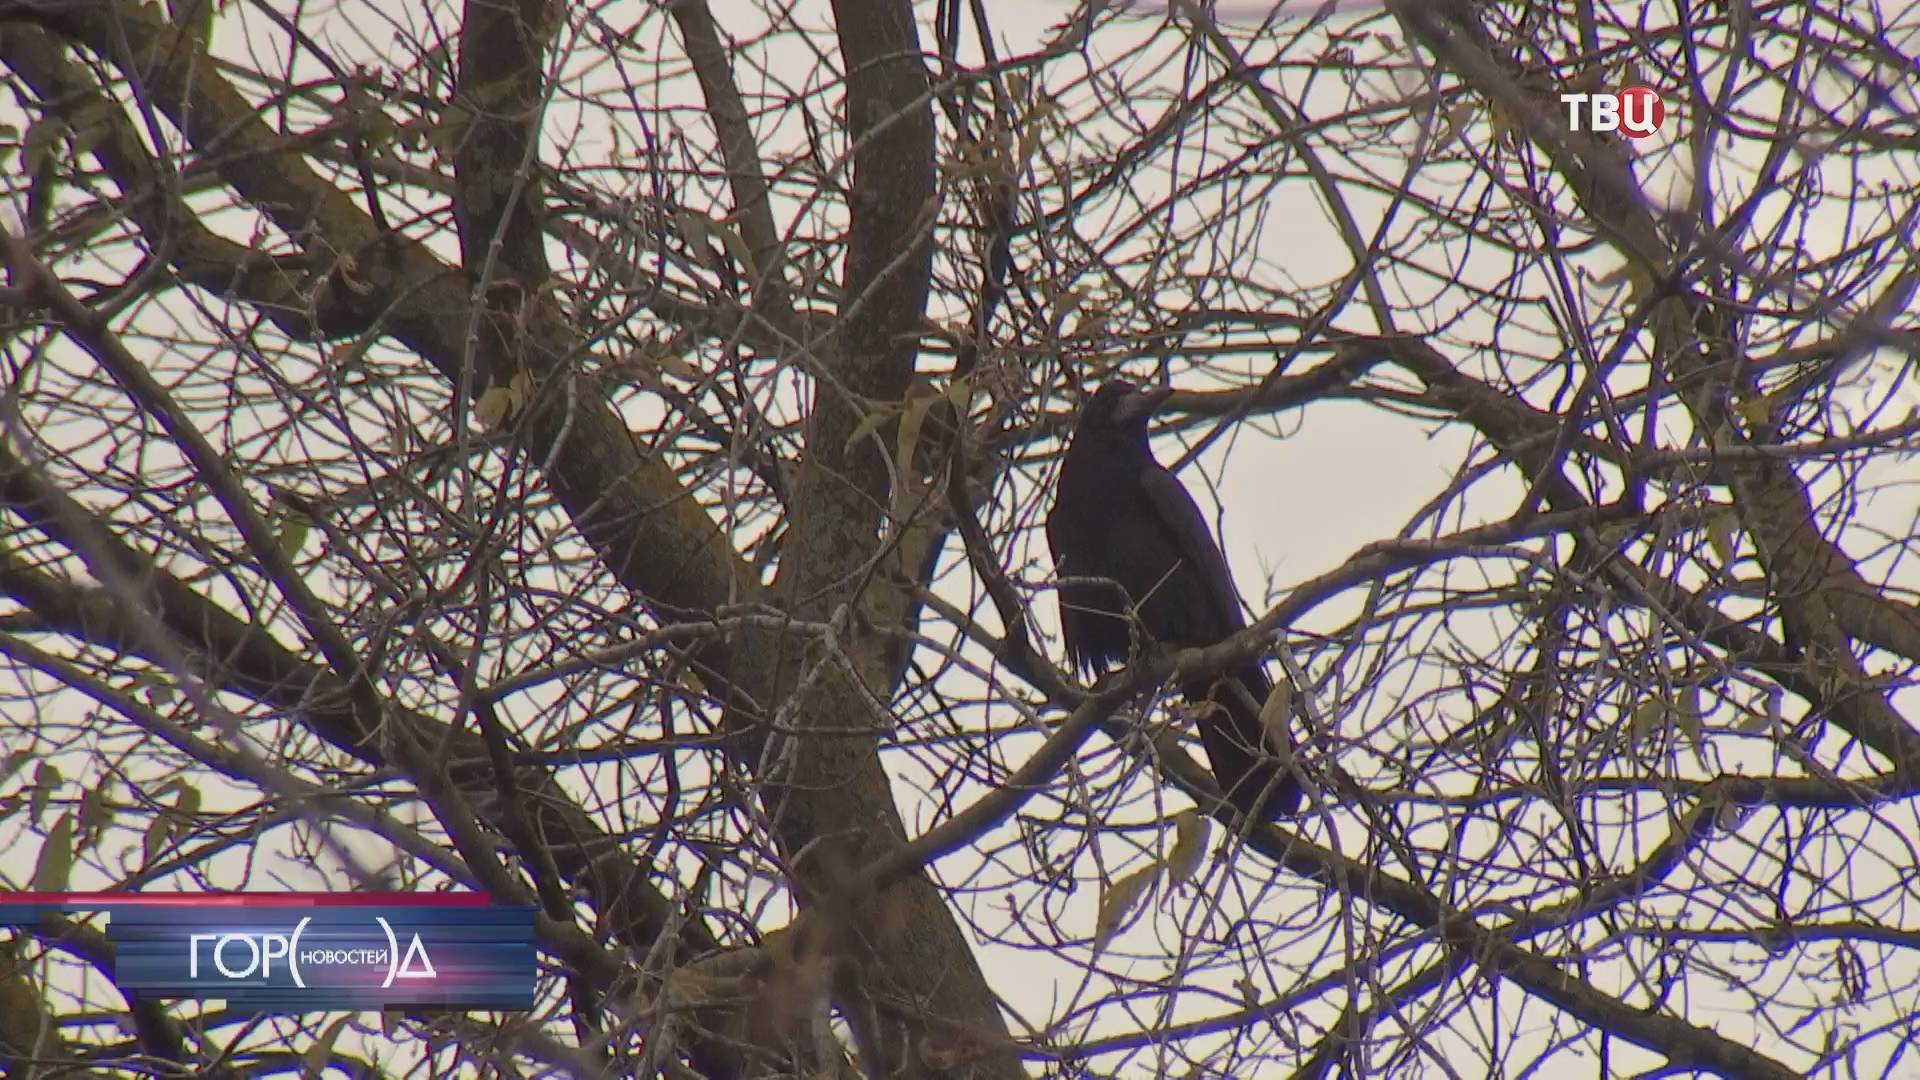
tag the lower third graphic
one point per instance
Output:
(329, 958)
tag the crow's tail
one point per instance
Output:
(1248, 767)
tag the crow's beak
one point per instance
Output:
(1142, 403)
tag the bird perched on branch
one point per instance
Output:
(1120, 515)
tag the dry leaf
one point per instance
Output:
(493, 408)
(1189, 846)
(1276, 719)
(1721, 535)
(315, 1061)
(1453, 124)
(497, 407)
(1756, 411)
(46, 780)
(1648, 718)
(56, 857)
(1686, 715)
(1119, 901)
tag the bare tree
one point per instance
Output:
(592, 454)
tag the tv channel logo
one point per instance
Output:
(1636, 112)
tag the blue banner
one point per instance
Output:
(326, 958)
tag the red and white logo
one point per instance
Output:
(1635, 112)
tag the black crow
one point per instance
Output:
(1119, 514)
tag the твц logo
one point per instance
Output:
(1635, 112)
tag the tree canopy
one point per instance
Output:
(596, 455)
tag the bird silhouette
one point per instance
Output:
(1119, 515)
